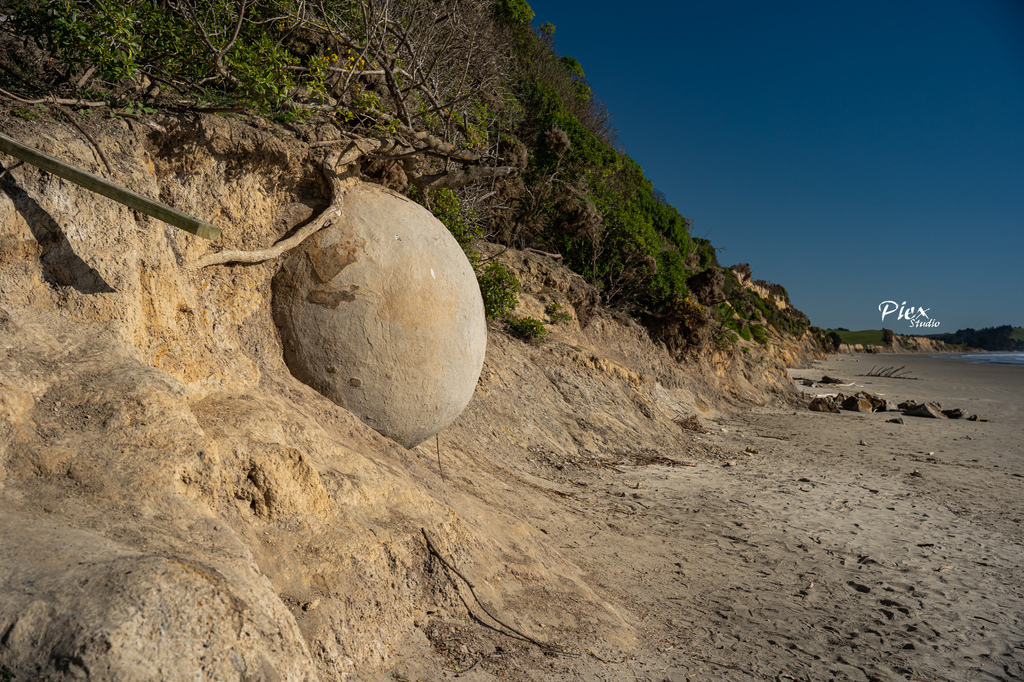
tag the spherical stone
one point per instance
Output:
(381, 313)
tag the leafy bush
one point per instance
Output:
(526, 328)
(460, 222)
(499, 288)
(557, 313)
(759, 334)
(602, 213)
(123, 38)
(708, 257)
(515, 11)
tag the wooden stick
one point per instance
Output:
(94, 183)
(437, 442)
(521, 635)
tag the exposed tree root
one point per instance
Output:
(339, 182)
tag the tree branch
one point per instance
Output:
(460, 178)
(69, 102)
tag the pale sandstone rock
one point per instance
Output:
(382, 314)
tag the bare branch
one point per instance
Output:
(553, 256)
(58, 100)
(71, 119)
(459, 178)
(335, 69)
(85, 77)
(217, 55)
(437, 144)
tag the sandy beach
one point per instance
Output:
(792, 551)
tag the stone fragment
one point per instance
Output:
(858, 403)
(897, 420)
(956, 413)
(878, 403)
(824, 404)
(930, 410)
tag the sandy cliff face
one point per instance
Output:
(902, 344)
(173, 502)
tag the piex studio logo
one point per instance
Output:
(915, 317)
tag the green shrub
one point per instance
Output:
(125, 37)
(729, 319)
(28, 113)
(460, 222)
(724, 339)
(498, 287)
(526, 328)
(759, 333)
(515, 11)
(101, 33)
(706, 252)
(557, 313)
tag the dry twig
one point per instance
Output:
(58, 100)
(518, 634)
(437, 442)
(761, 435)
(71, 119)
(889, 373)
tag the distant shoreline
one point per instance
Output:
(987, 357)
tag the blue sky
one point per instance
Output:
(854, 152)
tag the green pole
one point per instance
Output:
(108, 189)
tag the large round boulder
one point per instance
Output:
(381, 313)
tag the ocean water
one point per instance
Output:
(989, 358)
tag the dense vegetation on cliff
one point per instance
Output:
(1004, 338)
(485, 123)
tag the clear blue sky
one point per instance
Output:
(854, 152)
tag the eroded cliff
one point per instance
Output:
(175, 503)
